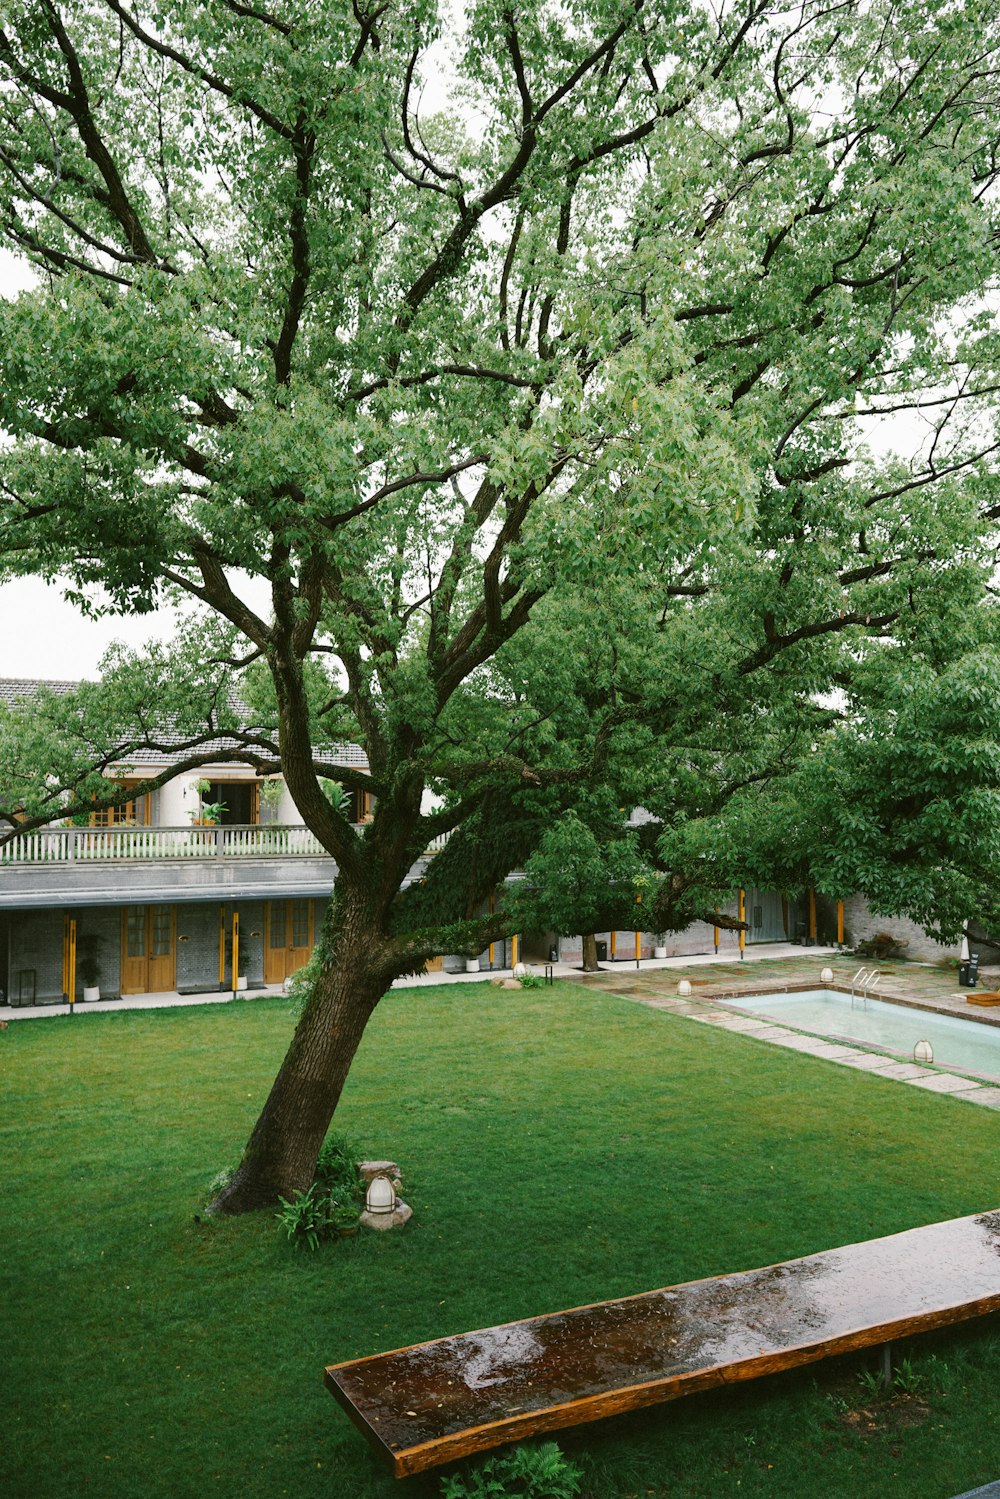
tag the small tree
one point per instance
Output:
(576, 883)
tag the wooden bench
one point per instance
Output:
(435, 1402)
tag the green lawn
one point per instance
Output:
(558, 1147)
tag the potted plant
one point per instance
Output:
(202, 787)
(88, 965)
(345, 1220)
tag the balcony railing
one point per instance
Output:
(79, 845)
(93, 845)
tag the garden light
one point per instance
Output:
(380, 1198)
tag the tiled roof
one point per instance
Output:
(14, 690)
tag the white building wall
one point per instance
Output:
(175, 803)
(179, 800)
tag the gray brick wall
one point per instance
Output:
(860, 924)
(36, 947)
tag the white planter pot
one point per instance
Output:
(472, 965)
(241, 981)
(91, 994)
(659, 952)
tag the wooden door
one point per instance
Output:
(288, 938)
(149, 955)
(161, 973)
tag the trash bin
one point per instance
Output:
(602, 952)
(968, 973)
(553, 954)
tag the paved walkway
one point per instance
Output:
(916, 985)
(758, 956)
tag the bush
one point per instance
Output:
(337, 1172)
(307, 1219)
(332, 1203)
(527, 1472)
(220, 1180)
(881, 945)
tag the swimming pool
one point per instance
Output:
(960, 1043)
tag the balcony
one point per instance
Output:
(79, 845)
(70, 866)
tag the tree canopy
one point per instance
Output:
(530, 363)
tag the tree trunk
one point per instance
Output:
(280, 1156)
(590, 952)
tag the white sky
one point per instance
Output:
(41, 635)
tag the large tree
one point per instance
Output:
(536, 407)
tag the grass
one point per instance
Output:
(558, 1147)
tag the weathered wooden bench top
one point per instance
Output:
(438, 1401)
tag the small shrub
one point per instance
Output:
(337, 1172)
(881, 945)
(220, 1180)
(332, 1202)
(872, 1387)
(531, 981)
(300, 986)
(307, 1219)
(941, 1374)
(527, 1473)
(907, 1379)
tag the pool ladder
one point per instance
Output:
(866, 979)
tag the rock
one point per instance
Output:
(368, 1170)
(510, 984)
(401, 1213)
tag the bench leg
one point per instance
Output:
(887, 1368)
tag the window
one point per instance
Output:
(138, 811)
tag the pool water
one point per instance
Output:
(959, 1043)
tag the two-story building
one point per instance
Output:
(156, 894)
(155, 891)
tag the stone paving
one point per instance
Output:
(922, 986)
(171, 1000)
